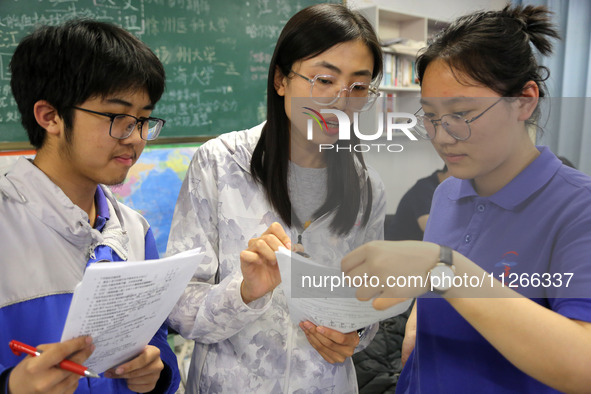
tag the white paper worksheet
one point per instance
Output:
(342, 312)
(123, 304)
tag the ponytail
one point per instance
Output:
(493, 48)
(536, 24)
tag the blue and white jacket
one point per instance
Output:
(46, 242)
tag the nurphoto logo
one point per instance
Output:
(401, 121)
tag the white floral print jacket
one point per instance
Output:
(252, 348)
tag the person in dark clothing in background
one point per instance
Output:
(413, 210)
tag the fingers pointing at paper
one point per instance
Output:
(259, 264)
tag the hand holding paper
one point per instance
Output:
(308, 287)
(332, 345)
(406, 260)
(121, 305)
(142, 372)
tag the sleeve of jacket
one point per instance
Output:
(378, 366)
(374, 231)
(211, 309)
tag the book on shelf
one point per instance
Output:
(399, 71)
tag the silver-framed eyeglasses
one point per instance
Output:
(325, 90)
(122, 125)
(454, 124)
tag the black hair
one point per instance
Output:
(80, 59)
(307, 34)
(493, 48)
(567, 162)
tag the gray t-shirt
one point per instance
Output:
(307, 190)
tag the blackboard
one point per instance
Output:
(216, 54)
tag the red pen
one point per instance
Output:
(19, 347)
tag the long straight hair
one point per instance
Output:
(307, 34)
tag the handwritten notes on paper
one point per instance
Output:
(123, 304)
(323, 305)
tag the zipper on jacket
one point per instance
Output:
(91, 251)
(300, 242)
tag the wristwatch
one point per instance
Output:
(444, 271)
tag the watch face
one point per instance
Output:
(445, 276)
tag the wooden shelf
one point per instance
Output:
(390, 89)
(402, 50)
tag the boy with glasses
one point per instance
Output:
(83, 89)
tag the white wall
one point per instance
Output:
(435, 9)
(400, 171)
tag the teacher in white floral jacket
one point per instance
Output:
(244, 188)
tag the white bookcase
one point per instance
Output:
(400, 171)
(399, 59)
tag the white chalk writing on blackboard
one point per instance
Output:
(216, 57)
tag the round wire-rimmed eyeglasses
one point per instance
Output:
(455, 125)
(325, 90)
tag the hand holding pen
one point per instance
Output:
(18, 348)
(42, 374)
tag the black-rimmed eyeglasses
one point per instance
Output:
(455, 125)
(122, 125)
(325, 90)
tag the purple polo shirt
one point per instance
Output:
(538, 223)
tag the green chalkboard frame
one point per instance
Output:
(215, 52)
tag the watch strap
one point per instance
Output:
(445, 258)
(446, 255)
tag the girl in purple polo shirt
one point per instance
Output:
(505, 305)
